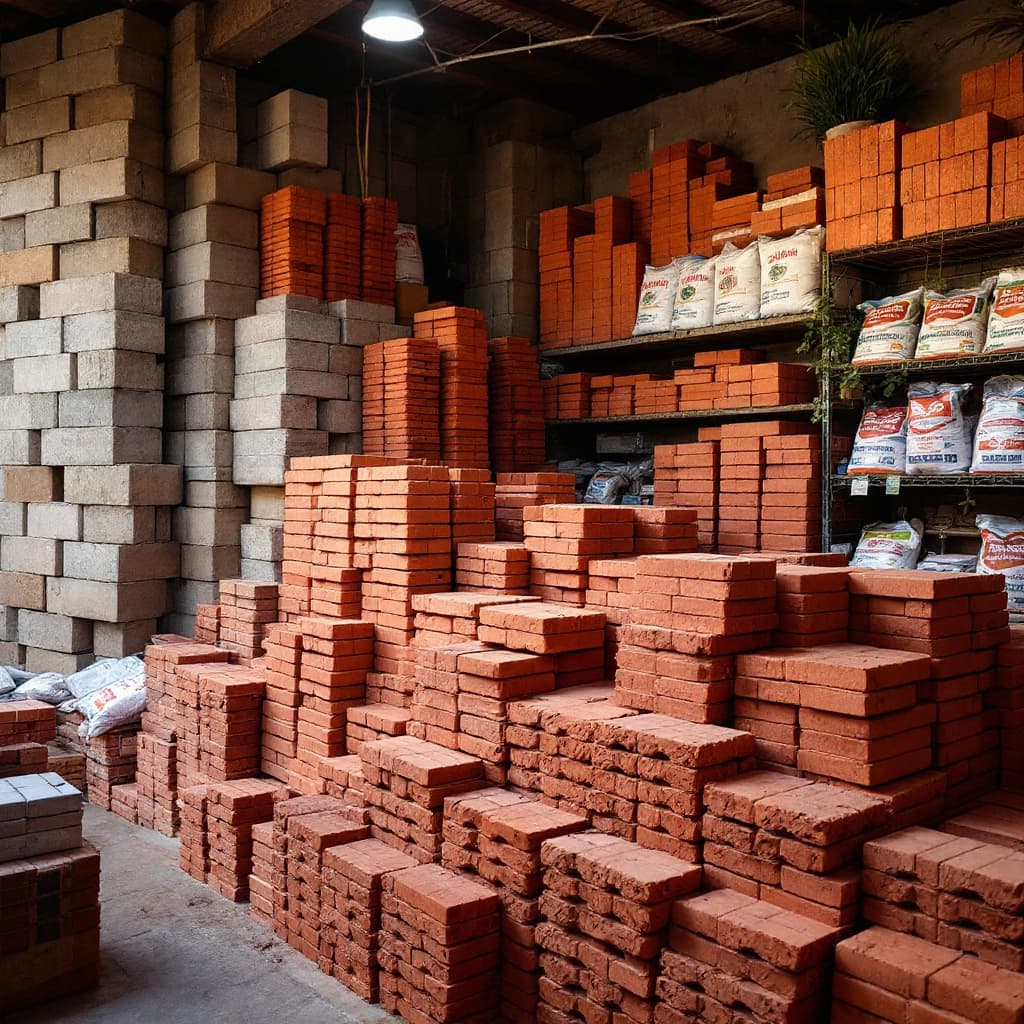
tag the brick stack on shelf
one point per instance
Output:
(793, 199)
(559, 229)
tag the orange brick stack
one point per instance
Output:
(813, 605)
(791, 842)
(261, 885)
(207, 627)
(496, 835)
(664, 531)
(461, 337)
(517, 491)
(156, 776)
(687, 474)
(500, 566)
(246, 609)
(282, 699)
(615, 395)
(1007, 196)
(292, 224)
(515, 406)
(629, 260)
(472, 506)
(862, 188)
(365, 724)
(731, 220)
(193, 839)
(672, 169)
(640, 186)
(791, 493)
(558, 230)
(742, 455)
(303, 491)
(27, 721)
(583, 325)
(794, 199)
(724, 176)
(946, 174)
(1007, 696)
(343, 244)
(230, 699)
(996, 88)
(401, 399)
(447, 618)
(610, 588)
(109, 762)
(612, 227)
(380, 221)
(568, 396)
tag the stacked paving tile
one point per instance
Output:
(499, 566)
(110, 762)
(516, 406)
(26, 729)
(518, 491)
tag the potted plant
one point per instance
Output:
(1003, 25)
(861, 78)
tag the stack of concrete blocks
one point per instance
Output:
(291, 132)
(262, 538)
(86, 551)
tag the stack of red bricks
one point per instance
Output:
(813, 603)
(559, 228)
(343, 245)
(303, 493)
(730, 220)
(124, 802)
(1006, 200)
(1007, 697)
(794, 199)
(472, 505)
(610, 586)
(364, 725)
(26, 726)
(568, 397)
(664, 531)
(740, 480)
(687, 474)
(193, 838)
(997, 88)
(790, 492)
(407, 780)
(379, 255)
(723, 176)
(499, 566)
(247, 608)
(230, 720)
(343, 776)
(461, 338)
(612, 230)
(607, 907)
(515, 492)
(791, 842)
(156, 775)
(439, 953)
(265, 862)
(496, 835)
(629, 261)
(352, 884)
(292, 242)
(110, 762)
(451, 617)
(401, 399)
(207, 624)
(672, 169)
(726, 948)
(282, 700)
(515, 405)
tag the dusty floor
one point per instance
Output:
(174, 952)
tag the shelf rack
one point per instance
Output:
(962, 365)
(954, 481)
(708, 415)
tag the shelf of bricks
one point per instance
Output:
(941, 208)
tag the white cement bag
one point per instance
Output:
(102, 672)
(790, 272)
(1002, 551)
(737, 284)
(657, 298)
(999, 440)
(954, 324)
(889, 545)
(948, 563)
(890, 328)
(114, 704)
(694, 305)
(1006, 317)
(7, 684)
(49, 687)
(409, 258)
(881, 442)
(938, 434)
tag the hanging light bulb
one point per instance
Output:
(394, 21)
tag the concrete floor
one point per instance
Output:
(174, 952)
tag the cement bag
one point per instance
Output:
(1002, 552)
(1006, 317)
(881, 442)
(409, 259)
(694, 305)
(889, 545)
(999, 440)
(737, 284)
(790, 272)
(938, 434)
(954, 324)
(108, 670)
(948, 563)
(657, 298)
(49, 687)
(890, 328)
(7, 684)
(116, 703)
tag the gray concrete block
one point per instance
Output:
(359, 333)
(189, 593)
(41, 374)
(18, 303)
(284, 354)
(20, 447)
(263, 572)
(207, 448)
(29, 411)
(8, 623)
(12, 654)
(13, 517)
(24, 195)
(200, 375)
(292, 107)
(209, 527)
(214, 261)
(114, 524)
(323, 179)
(340, 417)
(352, 309)
(293, 324)
(111, 256)
(200, 145)
(53, 632)
(274, 411)
(205, 300)
(207, 412)
(215, 223)
(116, 28)
(22, 161)
(32, 483)
(202, 338)
(291, 146)
(207, 474)
(38, 120)
(12, 234)
(110, 181)
(215, 495)
(29, 52)
(34, 338)
(23, 590)
(59, 225)
(111, 408)
(347, 360)
(281, 303)
(115, 330)
(105, 292)
(120, 563)
(209, 563)
(39, 555)
(54, 519)
(6, 377)
(233, 186)
(293, 382)
(106, 602)
(123, 485)
(41, 660)
(98, 69)
(121, 639)
(100, 446)
(119, 103)
(262, 543)
(138, 371)
(132, 219)
(345, 444)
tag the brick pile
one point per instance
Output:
(611, 583)
(67, 762)
(371, 722)
(998, 88)
(662, 531)
(793, 199)
(687, 474)
(246, 609)
(515, 492)
(472, 506)
(380, 221)
(26, 727)
(343, 243)
(265, 862)
(343, 776)
(282, 699)
(791, 493)
(109, 762)
(740, 485)
(515, 405)
(813, 604)
(451, 617)
(207, 623)
(559, 228)
(156, 776)
(292, 222)
(499, 566)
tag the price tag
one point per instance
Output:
(892, 485)
(859, 485)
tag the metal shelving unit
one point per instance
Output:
(953, 481)
(962, 365)
(707, 415)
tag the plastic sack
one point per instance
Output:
(7, 684)
(790, 272)
(657, 299)
(1006, 316)
(605, 487)
(737, 284)
(889, 545)
(115, 703)
(954, 324)
(881, 442)
(694, 305)
(1002, 552)
(948, 563)
(890, 328)
(49, 687)
(409, 258)
(108, 670)
(999, 440)
(938, 433)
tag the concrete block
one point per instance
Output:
(53, 632)
(97, 69)
(18, 303)
(214, 261)
(215, 223)
(13, 514)
(232, 186)
(59, 225)
(23, 195)
(31, 484)
(275, 411)
(110, 181)
(261, 543)
(8, 623)
(359, 333)
(24, 161)
(28, 266)
(202, 338)
(202, 95)
(289, 443)
(290, 382)
(195, 375)
(54, 519)
(41, 374)
(323, 179)
(20, 447)
(138, 371)
(283, 354)
(267, 504)
(346, 361)
(211, 564)
(12, 234)
(132, 219)
(100, 446)
(291, 324)
(114, 330)
(123, 485)
(199, 145)
(29, 411)
(34, 338)
(38, 120)
(23, 590)
(12, 654)
(106, 602)
(113, 524)
(205, 300)
(212, 494)
(338, 417)
(206, 412)
(122, 639)
(291, 107)
(40, 660)
(207, 448)
(104, 292)
(281, 303)
(111, 408)
(120, 563)
(291, 146)
(117, 28)
(210, 527)
(189, 593)
(40, 555)
(30, 52)
(111, 256)
(263, 572)
(352, 309)
(6, 377)
(119, 103)
(390, 332)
